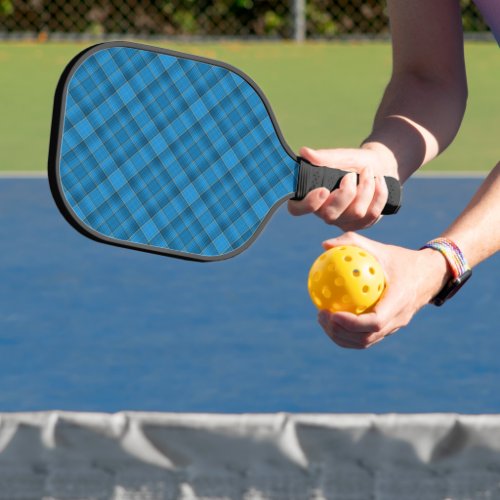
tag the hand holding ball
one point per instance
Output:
(346, 278)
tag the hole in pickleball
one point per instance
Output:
(346, 299)
(366, 289)
(372, 270)
(379, 287)
(317, 276)
(327, 293)
(356, 273)
(359, 310)
(348, 258)
(339, 281)
(362, 254)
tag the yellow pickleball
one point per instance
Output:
(346, 278)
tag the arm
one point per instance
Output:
(419, 114)
(424, 103)
(415, 277)
(477, 230)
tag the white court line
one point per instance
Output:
(454, 174)
(23, 175)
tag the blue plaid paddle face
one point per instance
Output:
(171, 153)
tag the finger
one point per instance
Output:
(393, 332)
(362, 324)
(365, 191)
(366, 208)
(313, 156)
(373, 342)
(341, 340)
(376, 338)
(391, 311)
(380, 196)
(348, 338)
(344, 344)
(362, 340)
(311, 203)
(339, 334)
(338, 201)
(378, 323)
(354, 341)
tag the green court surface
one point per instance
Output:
(324, 95)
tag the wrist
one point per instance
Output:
(437, 273)
(386, 156)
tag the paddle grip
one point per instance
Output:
(313, 177)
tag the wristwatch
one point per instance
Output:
(460, 270)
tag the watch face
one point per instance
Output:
(451, 288)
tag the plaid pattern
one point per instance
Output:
(169, 152)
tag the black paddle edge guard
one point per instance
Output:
(312, 177)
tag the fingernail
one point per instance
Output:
(347, 178)
(324, 194)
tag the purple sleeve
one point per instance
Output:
(490, 9)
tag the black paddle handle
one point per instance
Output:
(313, 177)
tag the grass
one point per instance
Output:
(323, 94)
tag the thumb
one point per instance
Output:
(338, 158)
(349, 238)
(377, 249)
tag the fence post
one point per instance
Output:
(299, 20)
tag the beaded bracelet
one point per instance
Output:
(460, 269)
(452, 254)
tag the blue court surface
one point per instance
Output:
(90, 327)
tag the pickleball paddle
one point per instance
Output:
(172, 153)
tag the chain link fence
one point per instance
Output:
(283, 19)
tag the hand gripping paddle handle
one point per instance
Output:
(312, 177)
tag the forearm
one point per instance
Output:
(424, 103)
(416, 120)
(477, 230)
